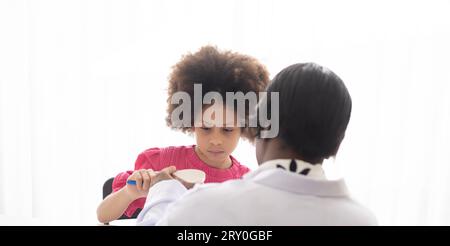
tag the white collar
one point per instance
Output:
(314, 183)
(296, 166)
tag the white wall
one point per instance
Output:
(82, 92)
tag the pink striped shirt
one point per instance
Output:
(182, 157)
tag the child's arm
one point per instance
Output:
(114, 205)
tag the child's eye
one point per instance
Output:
(228, 129)
(206, 128)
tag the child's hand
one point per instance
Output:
(146, 178)
(143, 178)
(164, 174)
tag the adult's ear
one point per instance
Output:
(264, 148)
(338, 144)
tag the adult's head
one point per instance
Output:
(314, 111)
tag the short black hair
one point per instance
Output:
(315, 108)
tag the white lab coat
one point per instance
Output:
(266, 196)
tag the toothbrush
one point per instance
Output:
(133, 182)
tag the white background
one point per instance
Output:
(83, 90)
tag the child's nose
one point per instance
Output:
(215, 141)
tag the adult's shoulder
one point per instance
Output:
(364, 215)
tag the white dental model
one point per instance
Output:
(191, 175)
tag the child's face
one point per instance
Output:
(216, 140)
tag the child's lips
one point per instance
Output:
(216, 152)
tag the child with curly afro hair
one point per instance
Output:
(214, 72)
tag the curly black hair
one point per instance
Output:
(217, 71)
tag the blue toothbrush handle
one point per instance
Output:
(131, 182)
